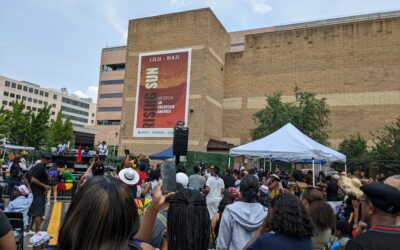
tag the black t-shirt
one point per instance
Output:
(349, 205)
(5, 226)
(377, 238)
(332, 191)
(229, 181)
(40, 173)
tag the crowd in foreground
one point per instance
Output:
(240, 209)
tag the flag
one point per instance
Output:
(79, 157)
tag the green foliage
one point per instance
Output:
(220, 160)
(355, 149)
(59, 131)
(307, 113)
(387, 143)
(18, 124)
(39, 126)
(3, 123)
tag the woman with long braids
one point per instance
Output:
(188, 225)
(241, 219)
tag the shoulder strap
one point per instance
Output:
(162, 218)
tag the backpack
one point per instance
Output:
(15, 170)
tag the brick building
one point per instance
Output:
(354, 62)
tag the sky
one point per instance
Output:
(57, 43)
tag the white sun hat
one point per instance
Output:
(129, 176)
(182, 179)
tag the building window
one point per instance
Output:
(19, 86)
(5, 103)
(36, 91)
(7, 84)
(34, 100)
(75, 111)
(10, 103)
(92, 121)
(40, 102)
(28, 107)
(6, 93)
(74, 118)
(109, 109)
(110, 82)
(53, 113)
(110, 95)
(30, 90)
(46, 94)
(75, 103)
(41, 92)
(34, 108)
(29, 99)
(25, 88)
(54, 105)
(92, 114)
(113, 67)
(108, 122)
(18, 97)
(12, 95)
(55, 97)
(13, 85)
(24, 98)
(45, 103)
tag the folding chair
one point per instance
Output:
(17, 222)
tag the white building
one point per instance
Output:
(81, 111)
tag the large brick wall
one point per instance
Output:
(356, 66)
(201, 31)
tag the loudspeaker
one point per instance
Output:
(181, 137)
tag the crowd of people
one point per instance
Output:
(238, 209)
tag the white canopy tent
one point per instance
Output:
(290, 144)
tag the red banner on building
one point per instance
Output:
(162, 92)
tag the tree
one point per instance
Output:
(59, 131)
(387, 145)
(355, 149)
(307, 113)
(39, 127)
(4, 130)
(18, 122)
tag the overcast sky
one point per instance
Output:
(57, 43)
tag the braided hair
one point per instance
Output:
(188, 221)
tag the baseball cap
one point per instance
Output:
(383, 196)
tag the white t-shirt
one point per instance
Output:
(215, 184)
(103, 149)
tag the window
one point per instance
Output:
(76, 111)
(13, 85)
(6, 93)
(46, 94)
(29, 99)
(75, 103)
(74, 118)
(109, 109)
(55, 97)
(10, 103)
(5, 103)
(108, 122)
(12, 95)
(110, 82)
(53, 113)
(24, 98)
(41, 92)
(19, 86)
(7, 84)
(34, 100)
(40, 102)
(113, 67)
(110, 95)
(36, 91)
(30, 90)
(45, 103)
(34, 108)
(54, 105)
(92, 121)
(25, 88)
(28, 107)
(18, 97)
(92, 114)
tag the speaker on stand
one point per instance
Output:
(180, 143)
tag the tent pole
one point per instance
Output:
(313, 172)
(345, 168)
(229, 161)
(270, 165)
(320, 167)
(264, 164)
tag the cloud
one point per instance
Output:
(260, 6)
(114, 18)
(91, 92)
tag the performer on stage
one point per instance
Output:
(62, 148)
(103, 151)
